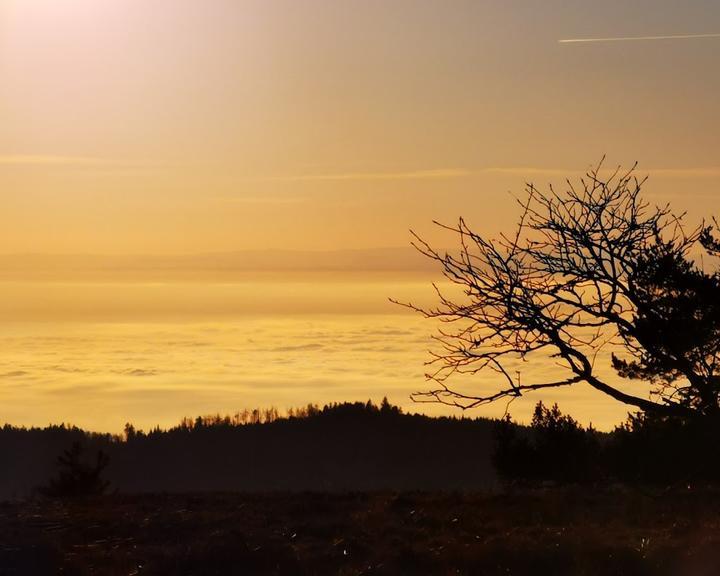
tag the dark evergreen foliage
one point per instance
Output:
(659, 450)
(554, 448)
(76, 477)
(646, 449)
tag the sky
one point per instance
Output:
(193, 127)
(190, 126)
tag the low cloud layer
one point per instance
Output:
(101, 375)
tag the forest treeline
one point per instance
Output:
(354, 446)
(338, 447)
(647, 449)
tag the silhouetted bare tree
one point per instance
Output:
(595, 266)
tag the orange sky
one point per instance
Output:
(190, 126)
(175, 127)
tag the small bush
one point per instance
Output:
(76, 477)
(555, 447)
(660, 450)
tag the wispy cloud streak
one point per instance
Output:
(702, 172)
(262, 199)
(49, 160)
(637, 38)
(525, 171)
(663, 172)
(83, 163)
(441, 173)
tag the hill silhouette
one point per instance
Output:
(339, 447)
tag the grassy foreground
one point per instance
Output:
(551, 531)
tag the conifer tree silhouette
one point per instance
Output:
(76, 477)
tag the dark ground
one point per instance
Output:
(551, 531)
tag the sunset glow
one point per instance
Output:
(204, 206)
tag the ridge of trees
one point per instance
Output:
(647, 449)
(338, 447)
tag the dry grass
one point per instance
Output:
(552, 531)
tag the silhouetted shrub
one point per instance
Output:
(652, 449)
(76, 477)
(513, 456)
(555, 447)
(566, 452)
(646, 449)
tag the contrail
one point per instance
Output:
(637, 38)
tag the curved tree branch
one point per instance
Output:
(596, 257)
